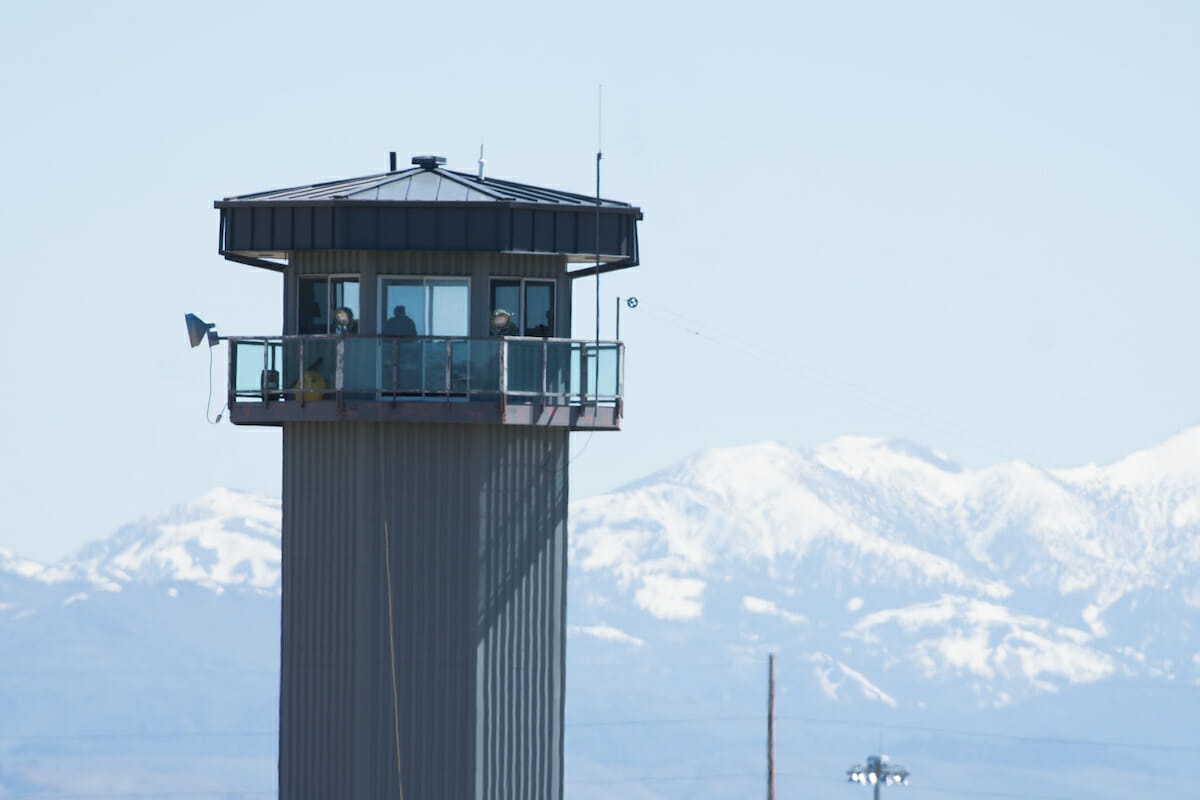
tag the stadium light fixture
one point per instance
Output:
(877, 772)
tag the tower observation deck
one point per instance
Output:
(426, 383)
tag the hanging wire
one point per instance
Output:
(387, 560)
(208, 405)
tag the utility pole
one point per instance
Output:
(771, 727)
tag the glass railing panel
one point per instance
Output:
(433, 360)
(575, 382)
(558, 372)
(309, 364)
(525, 368)
(360, 365)
(589, 370)
(606, 371)
(484, 356)
(249, 363)
(460, 366)
(402, 371)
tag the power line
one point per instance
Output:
(805, 776)
(134, 671)
(872, 724)
(990, 735)
(20, 737)
(869, 396)
(657, 721)
(205, 793)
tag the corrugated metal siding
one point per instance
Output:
(477, 523)
(328, 262)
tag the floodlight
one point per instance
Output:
(343, 320)
(501, 319)
(199, 330)
(877, 773)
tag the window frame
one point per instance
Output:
(381, 298)
(329, 278)
(521, 315)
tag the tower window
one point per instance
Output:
(321, 299)
(529, 305)
(424, 306)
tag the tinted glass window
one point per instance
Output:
(313, 309)
(539, 308)
(403, 308)
(448, 302)
(506, 296)
(344, 294)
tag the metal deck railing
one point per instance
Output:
(549, 372)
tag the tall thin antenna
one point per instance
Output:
(599, 155)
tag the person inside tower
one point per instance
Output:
(542, 330)
(314, 379)
(399, 324)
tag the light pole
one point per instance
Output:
(876, 772)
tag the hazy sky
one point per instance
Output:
(972, 225)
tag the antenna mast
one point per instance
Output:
(599, 155)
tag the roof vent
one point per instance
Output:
(429, 162)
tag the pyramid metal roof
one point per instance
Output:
(426, 185)
(429, 208)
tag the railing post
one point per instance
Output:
(448, 372)
(395, 369)
(263, 394)
(303, 375)
(231, 388)
(503, 379)
(545, 352)
(620, 380)
(583, 373)
(339, 375)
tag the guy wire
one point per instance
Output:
(387, 560)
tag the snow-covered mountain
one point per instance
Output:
(1016, 578)
(221, 540)
(895, 584)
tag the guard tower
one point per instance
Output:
(426, 384)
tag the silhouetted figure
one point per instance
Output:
(399, 324)
(542, 330)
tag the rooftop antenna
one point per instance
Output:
(482, 161)
(599, 155)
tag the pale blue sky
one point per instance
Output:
(971, 225)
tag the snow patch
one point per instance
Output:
(668, 597)
(988, 641)
(757, 605)
(606, 633)
(823, 670)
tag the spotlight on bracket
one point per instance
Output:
(199, 330)
(501, 319)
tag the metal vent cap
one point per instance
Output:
(429, 162)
